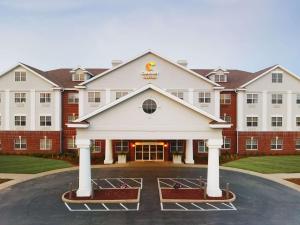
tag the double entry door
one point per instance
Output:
(149, 151)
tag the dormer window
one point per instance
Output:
(220, 78)
(78, 77)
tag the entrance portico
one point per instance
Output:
(165, 117)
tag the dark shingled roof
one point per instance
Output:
(62, 77)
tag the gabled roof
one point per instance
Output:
(215, 121)
(35, 71)
(153, 53)
(265, 71)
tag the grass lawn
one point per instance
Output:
(268, 164)
(29, 165)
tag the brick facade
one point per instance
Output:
(33, 141)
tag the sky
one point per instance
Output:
(240, 34)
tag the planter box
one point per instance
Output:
(121, 158)
(177, 159)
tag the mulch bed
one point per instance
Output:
(190, 194)
(4, 180)
(294, 180)
(107, 194)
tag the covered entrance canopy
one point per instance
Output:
(149, 113)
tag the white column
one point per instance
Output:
(107, 95)
(85, 185)
(32, 109)
(289, 113)
(217, 103)
(191, 96)
(264, 104)
(81, 102)
(189, 154)
(240, 110)
(213, 182)
(57, 112)
(7, 111)
(108, 152)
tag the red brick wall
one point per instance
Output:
(231, 110)
(33, 141)
(264, 142)
(68, 109)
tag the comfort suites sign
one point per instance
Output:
(150, 74)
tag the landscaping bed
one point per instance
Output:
(107, 195)
(192, 195)
(294, 180)
(4, 180)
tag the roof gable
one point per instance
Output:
(215, 120)
(157, 55)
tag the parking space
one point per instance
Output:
(189, 183)
(109, 183)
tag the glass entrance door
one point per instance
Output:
(148, 151)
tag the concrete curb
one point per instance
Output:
(26, 177)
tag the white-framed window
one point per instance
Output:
(276, 143)
(276, 77)
(45, 97)
(73, 98)
(202, 146)
(20, 143)
(45, 121)
(225, 99)
(122, 146)
(120, 94)
(96, 146)
(20, 97)
(45, 144)
(252, 98)
(252, 121)
(20, 76)
(226, 117)
(72, 117)
(94, 96)
(226, 143)
(297, 144)
(277, 98)
(71, 143)
(78, 77)
(251, 143)
(20, 121)
(276, 121)
(178, 94)
(220, 78)
(297, 121)
(176, 146)
(204, 97)
(298, 99)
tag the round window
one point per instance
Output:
(149, 106)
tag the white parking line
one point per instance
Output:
(213, 206)
(123, 182)
(124, 206)
(104, 206)
(97, 184)
(86, 206)
(180, 183)
(192, 182)
(165, 184)
(110, 183)
(197, 206)
(181, 206)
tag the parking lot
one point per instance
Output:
(259, 201)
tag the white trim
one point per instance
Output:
(289, 111)
(141, 55)
(155, 88)
(74, 125)
(7, 110)
(268, 71)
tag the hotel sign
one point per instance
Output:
(149, 74)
